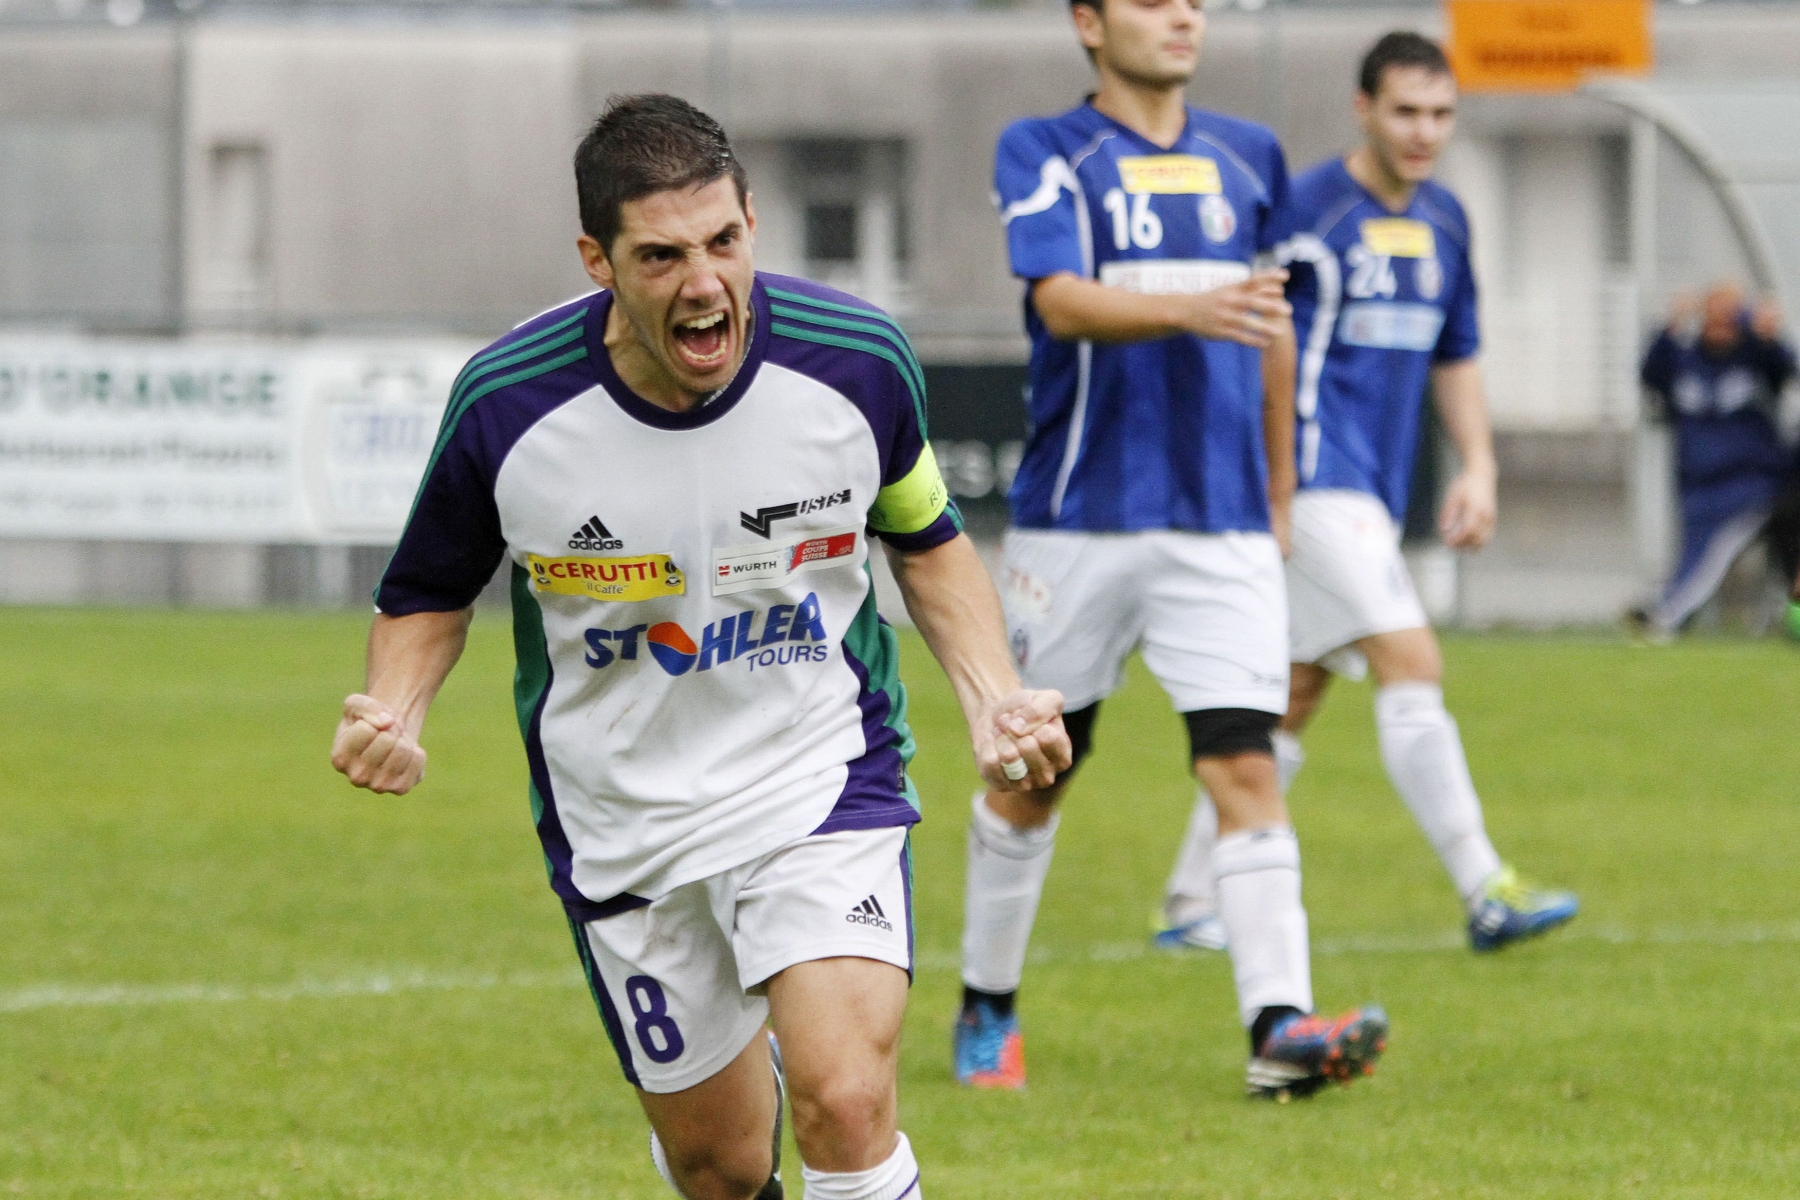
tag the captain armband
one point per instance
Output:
(913, 502)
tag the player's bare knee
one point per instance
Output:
(1407, 656)
(844, 1116)
(1233, 751)
(1306, 689)
(732, 1169)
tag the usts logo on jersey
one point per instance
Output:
(766, 516)
(772, 637)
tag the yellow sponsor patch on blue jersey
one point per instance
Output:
(1399, 237)
(1170, 175)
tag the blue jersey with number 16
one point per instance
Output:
(1157, 434)
(1379, 297)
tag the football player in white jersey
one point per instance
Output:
(711, 708)
(1148, 511)
(1384, 305)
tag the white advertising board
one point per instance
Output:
(234, 441)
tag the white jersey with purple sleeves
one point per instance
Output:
(1378, 298)
(1157, 434)
(702, 675)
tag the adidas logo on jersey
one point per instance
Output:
(594, 536)
(869, 913)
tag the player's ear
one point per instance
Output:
(593, 260)
(1090, 24)
(1363, 104)
(750, 215)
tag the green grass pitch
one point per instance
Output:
(223, 973)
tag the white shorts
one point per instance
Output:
(679, 982)
(1209, 610)
(1346, 579)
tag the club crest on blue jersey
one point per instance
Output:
(776, 636)
(1218, 220)
(1428, 277)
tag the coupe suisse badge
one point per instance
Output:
(746, 568)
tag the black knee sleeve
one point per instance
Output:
(1080, 725)
(1218, 732)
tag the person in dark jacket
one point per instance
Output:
(1717, 372)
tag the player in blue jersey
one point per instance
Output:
(1147, 511)
(1717, 372)
(684, 470)
(1384, 309)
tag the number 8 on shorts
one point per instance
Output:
(656, 1030)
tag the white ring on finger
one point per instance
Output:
(1014, 770)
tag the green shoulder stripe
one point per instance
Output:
(461, 399)
(892, 327)
(833, 306)
(799, 314)
(471, 373)
(478, 365)
(530, 371)
(879, 350)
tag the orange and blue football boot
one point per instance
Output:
(1305, 1052)
(990, 1052)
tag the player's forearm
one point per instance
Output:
(1280, 361)
(411, 656)
(1462, 404)
(1075, 309)
(953, 604)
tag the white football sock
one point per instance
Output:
(1006, 878)
(662, 1163)
(1289, 758)
(895, 1179)
(1258, 877)
(1424, 755)
(1191, 892)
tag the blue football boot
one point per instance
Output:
(1512, 910)
(1205, 932)
(990, 1052)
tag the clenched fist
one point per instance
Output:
(374, 750)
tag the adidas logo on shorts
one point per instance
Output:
(594, 536)
(869, 913)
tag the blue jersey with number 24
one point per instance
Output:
(1378, 297)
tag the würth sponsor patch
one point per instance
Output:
(637, 577)
(740, 568)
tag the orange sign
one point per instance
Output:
(1546, 45)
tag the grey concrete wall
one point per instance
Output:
(86, 177)
(419, 171)
(417, 176)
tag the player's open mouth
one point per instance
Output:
(704, 343)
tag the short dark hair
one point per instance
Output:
(1400, 49)
(645, 144)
